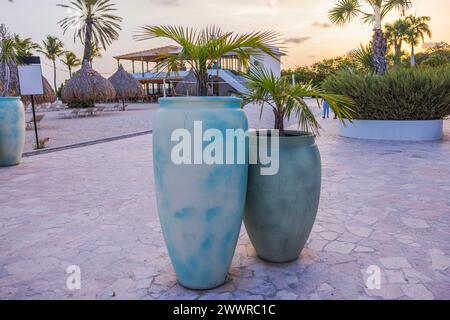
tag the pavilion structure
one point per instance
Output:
(225, 75)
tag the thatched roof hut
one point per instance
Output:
(14, 90)
(87, 85)
(188, 86)
(127, 87)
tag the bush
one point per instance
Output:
(404, 94)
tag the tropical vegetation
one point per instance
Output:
(71, 61)
(95, 26)
(403, 94)
(52, 48)
(8, 57)
(345, 11)
(417, 30)
(396, 35)
(359, 60)
(287, 100)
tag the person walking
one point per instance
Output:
(326, 109)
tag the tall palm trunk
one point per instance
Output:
(70, 72)
(398, 53)
(379, 45)
(279, 123)
(202, 83)
(88, 40)
(54, 74)
(413, 58)
(6, 79)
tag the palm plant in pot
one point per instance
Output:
(12, 114)
(200, 201)
(281, 207)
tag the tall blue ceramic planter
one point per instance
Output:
(200, 205)
(12, 131)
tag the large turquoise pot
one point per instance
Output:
(281, 209)
(12, 131)
(200, 205)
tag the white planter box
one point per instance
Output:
(422, 130)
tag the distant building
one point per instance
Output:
(226, 77)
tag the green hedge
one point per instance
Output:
(405, 94)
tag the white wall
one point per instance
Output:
(269, 63)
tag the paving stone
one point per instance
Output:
(340, 247)
(330, 236)
(387, 291)
(395, 262)
(415, 223)
(286, 295)
(360, 231)
(439, 260)
(363, 249)
(417, 292)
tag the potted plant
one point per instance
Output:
(201, 202)
(281, 207)
(403, 105)
(12, 113)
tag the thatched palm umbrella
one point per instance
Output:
(14, 90)
(88, 86)
(127, 87)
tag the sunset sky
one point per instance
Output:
(302, 23)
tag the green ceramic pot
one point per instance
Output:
(281, 209)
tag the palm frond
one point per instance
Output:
(287, 100)
(389, 5)
(344, 11)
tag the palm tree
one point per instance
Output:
(201, 49)
(98, 25)
(418, 29)
(286, 99)
(52, 48)
(24, 46)
(396, 34)
(364, 55)
(95, 53)
(70, 60)
(8, 57)
(346, 10)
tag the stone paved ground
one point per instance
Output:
(384, 204)
(63, 132)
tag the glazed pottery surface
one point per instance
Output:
(281, 209)
(200, 206)
(12, 131)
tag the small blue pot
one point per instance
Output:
(12, 131)
(281, 209)
(200, 205)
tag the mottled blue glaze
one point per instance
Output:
(12, 131)
(200, 206)
(281, 209)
